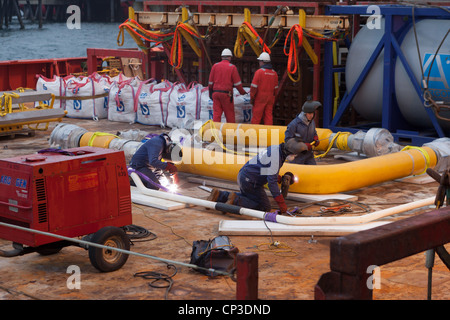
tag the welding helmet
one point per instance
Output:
(226, 53)
(265, 57)
(311, 106)
(172, 151)
(293, 146)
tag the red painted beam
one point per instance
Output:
(350, 256)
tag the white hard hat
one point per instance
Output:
(226, 53)
(264, 57)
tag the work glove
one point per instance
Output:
(316, 141)
(309, 146)
(175, 178)
(281, 204)
(171, 168)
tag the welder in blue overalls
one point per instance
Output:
(148, 160)
(256, 173)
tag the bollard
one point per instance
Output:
(247, 276)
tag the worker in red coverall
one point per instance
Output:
(223, 78)
(263, 91)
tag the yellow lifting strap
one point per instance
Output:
(6, 107)
(309, 50)
(296, 39)
(188, 32)
(424, 153)
(215, 133)
(246, 33)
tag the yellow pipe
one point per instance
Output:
(319, 179)
(254, 135)
(97, 139)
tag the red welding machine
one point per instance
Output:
(72, 193)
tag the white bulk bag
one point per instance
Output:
(242, 106)
(56, 86)
(151, 103)
(86, 107)
(184, 105)
(121, 104)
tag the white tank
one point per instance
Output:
(368, 100)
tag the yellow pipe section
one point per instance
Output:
(243, 134)
(97, 139)
(319, 179)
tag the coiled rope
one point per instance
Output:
(294, 41)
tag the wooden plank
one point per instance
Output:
(163, 204)
(261, 228)
(301, 197)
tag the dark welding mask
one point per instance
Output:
(172, 151)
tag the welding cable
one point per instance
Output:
(295, 39)
(137, 232)
(159, 277)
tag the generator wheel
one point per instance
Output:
(107, 260)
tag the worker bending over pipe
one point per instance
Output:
(256, 173)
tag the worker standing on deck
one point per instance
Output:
(256, 173)
(223, 78)
(263, 91)
(302, 128)
(148, 160)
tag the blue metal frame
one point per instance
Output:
(392, 119)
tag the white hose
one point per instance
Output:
(303, 221)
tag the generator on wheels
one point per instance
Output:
(74, 193)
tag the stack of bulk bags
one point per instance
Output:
(56, 86)
(242, 107)
(184, 105)
(89, 98)
(121, 105)
(151, 103)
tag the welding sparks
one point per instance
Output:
(170, 186)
